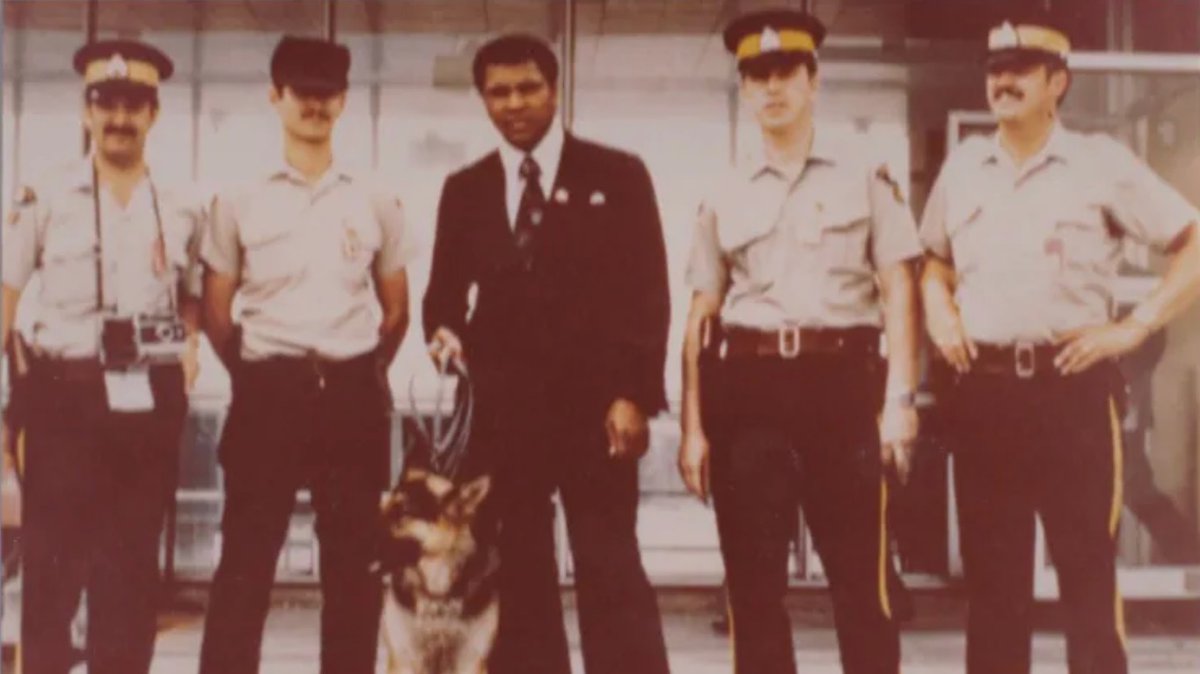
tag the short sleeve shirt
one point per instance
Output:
(306, 255)
(51, 231)
(802, 250)
(1036, 249)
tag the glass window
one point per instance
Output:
(424, 135)
(51, 126)
(169, 146)
(8, 148)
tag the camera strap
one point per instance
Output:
(99, 248)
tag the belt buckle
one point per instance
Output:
(1025, 360)
(789, 342)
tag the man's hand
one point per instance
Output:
(694, 462)
(946, 329)
(897, 435)
(628, 436)
(445, 348)
(1084, 348)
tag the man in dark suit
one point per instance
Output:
(559, 241)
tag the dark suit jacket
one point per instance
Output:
(600, 327)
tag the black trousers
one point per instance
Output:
(801, 432)
(294, 423)
(533, 439)
(1049, 446)
(96, 488)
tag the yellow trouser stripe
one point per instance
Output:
(732, 631)
(1118, 442)
(884, 602)
(1114, 515)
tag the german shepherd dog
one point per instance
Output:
(439, 564)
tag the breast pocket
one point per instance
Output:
(69, 263)
(1081, 239)
(843, 236)
(360, 241)
(270, 253)
(747, 238)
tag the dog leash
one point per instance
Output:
(447, 439)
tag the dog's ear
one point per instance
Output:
(471, 495)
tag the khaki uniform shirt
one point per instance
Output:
(305, 255)
(1036, 249)
(52, 230)
(802, 250)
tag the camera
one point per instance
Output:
(142, 339)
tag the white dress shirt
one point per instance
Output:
(547, 155)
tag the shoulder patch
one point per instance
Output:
(885, 176)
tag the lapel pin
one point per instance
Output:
(597, 198)
(561, 196)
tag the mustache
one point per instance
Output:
(114, 130)
(316, 113)
(1008, 89)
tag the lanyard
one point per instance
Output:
(99, 249)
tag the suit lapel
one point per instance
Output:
(495, 230)
(560, 200)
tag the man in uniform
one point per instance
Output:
(115, 254)
(799, 258)
(316, 253)
(566, 343)
(1023, 231)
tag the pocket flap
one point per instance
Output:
(738, 229)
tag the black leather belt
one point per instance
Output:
(789, 342)
(66, 369)
(78, 369)
(1023, 360)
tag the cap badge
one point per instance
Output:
(117, 67)
(1007, 36)
(769, 40)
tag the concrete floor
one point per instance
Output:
(932, 645)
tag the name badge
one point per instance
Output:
(351, 244)
(129, 390)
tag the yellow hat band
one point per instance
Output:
(117, 69)
(1029, 37)
(770, 41)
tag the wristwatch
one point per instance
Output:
(907, 399)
